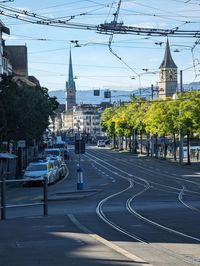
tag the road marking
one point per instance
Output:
(108, 243)
(39, 197)
(48, 226)
(20, 198)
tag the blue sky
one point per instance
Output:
(93, 64)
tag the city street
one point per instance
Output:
(132, 211)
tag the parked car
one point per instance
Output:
(36, 171)
(53, 154)
(65, 153)
(61, 168)
(101, 143)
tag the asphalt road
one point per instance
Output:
(132, 211)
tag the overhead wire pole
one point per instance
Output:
(114, 24)
(6, 1)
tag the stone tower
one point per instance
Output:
(168, 75)
(70, 88)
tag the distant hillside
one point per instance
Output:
(192, 86)
(88, 96)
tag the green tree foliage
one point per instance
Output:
(107, 123)
(160, 117)
(189, 109)
(121, 122)
(24, 110)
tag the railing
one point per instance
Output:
(4, 206)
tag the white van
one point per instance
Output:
(101, 143)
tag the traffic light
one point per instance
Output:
(96, 92)
(107, 94)
(80, 146)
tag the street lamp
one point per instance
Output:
(175, 97)
(146, 72)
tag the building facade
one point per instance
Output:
(168, 75)
(18, 57)
(82, 118)
(86, 120)
(5, 66)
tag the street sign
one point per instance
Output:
(21, 144)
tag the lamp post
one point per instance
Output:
(146, 72)
(175, 97)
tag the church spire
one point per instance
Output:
(70, 87)
(70, 73)
(168, 62)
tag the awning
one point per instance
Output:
(7, 155)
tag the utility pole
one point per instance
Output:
(152, 91)
(181, 80)
(180, 131)
(79, 149)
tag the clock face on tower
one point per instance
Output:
(171, 74)
(70, 92)
(168, 74)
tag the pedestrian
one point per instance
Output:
(197, 154)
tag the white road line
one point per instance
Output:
(108, 243)
(180, 197)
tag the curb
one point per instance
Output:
(72, 195)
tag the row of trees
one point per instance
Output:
(156, 118)
(24, 111)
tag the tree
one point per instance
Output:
(189, 111)
(164, 118)
(25, 110)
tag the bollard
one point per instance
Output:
(3, 199)
(45, 209)
(80, 178)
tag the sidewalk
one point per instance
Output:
(194, 164)
(55, 240)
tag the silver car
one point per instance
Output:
(37, 171)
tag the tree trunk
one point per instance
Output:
(147, 144)
(188, 148)
(174, 144)
(165, 148)
(114, 141)
(156, 146)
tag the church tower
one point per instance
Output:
(168, 75)
(70, 88)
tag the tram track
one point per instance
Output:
(174, 178)
(131, 178)
(147, 186)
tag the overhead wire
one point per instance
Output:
(112, 35)
(43, 20)
(102, 28)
